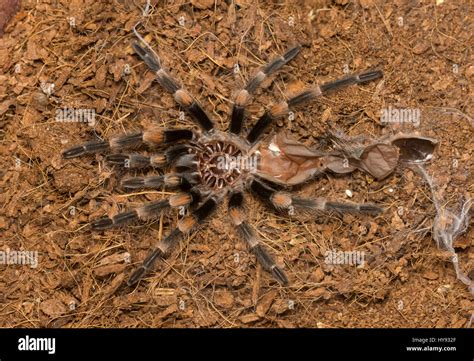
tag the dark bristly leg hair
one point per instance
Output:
(136, 161)
(152, 137)
(281, 109)
(246, 231)
(284, 201)
(181, 96)
(164, 246)
(147, 211)
(184, 181)
(263, 191)
(351, 79)
(244, 95)
(177, 155)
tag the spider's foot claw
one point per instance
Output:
(291, 53)
(280, 276)
(148, 57)
(74, 152)
(369, 76)
(136, 276)
(370, 209)
(87, 148)
(140, 50)
(102, 224)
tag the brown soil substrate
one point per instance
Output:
(211, 280)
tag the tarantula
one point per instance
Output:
(208, 165)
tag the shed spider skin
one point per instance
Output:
(208, 165)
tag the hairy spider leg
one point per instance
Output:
(281, 109)
(281, 200)
(181, 96)
(244, 95)
(165, 245)
(247, 232)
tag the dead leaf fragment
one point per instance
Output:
(224, 299)
(265, 302)
(53, 307)
(203, 4)
(249, 318)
